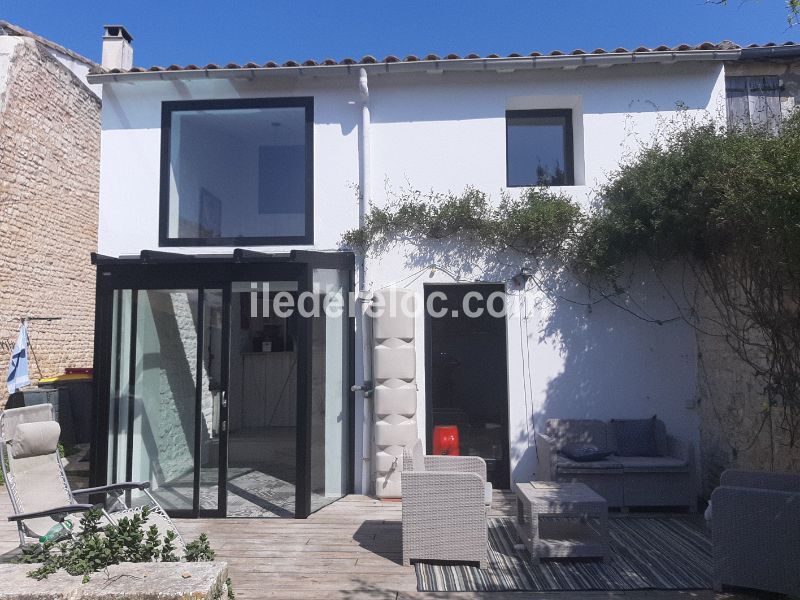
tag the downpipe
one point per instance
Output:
(364, 197)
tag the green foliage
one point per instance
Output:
(703, 192)
(96, 548)
(199, 550)
(538, 222)
(726, 202)
(168, 548)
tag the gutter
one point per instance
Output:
(774, 53)
(562, 61)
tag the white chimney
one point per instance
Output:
(117, 48)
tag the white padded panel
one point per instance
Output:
(385, 461)
(395, 434)
(401, 401)
(394, 369)
(389, 486)
(397, 363)
(393, 322)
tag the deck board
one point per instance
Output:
(350, 549)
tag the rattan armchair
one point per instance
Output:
(755, 528)
(446, 501)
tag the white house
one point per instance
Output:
(216, 180)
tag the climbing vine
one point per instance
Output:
(723, 202)
(538, 223)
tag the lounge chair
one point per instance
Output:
(446, 502)
(40, 493)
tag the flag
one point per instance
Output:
(18, 367)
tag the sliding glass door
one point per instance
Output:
(329, 388)
(165, 405)
(228, 401)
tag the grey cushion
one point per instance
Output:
(584, 452)
(487, 494)
(635, 437)
(564, 464)
(645, 464)
(35, 439)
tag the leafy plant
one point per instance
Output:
(96, 548)
(724, 202)
(538, 223)
(199, 550)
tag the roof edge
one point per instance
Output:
(503, 64)
(22, 32)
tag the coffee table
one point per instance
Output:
(562, 520)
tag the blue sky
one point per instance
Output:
(183, 31)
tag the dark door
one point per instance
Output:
(466, 371)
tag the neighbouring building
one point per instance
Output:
(225, 186)
(49, 175)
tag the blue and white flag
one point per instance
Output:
(18, 367)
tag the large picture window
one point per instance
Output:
(539, 148)
(237, 172)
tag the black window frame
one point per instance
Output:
(569, 141)
(169, 107)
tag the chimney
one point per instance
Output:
(117, 48)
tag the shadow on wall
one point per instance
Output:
(166, 388)
(580, 355)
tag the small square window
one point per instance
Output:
(539, 148)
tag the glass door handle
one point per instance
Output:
(224, 399)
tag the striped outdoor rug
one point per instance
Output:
(664, 553)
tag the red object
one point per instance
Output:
(78, 371)
(445, 440)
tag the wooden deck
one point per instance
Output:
(348, 550)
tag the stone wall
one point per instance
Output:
(49, 171)
(735, 431)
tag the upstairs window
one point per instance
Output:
(753, 101)
(539, 148)
(237, 172)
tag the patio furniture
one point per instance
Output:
(755, 531)
(665, 480)
(38, 487)
(446, 501)
(562, 520)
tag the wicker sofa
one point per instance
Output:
(755, 530)
(446, 501)
(624, 481)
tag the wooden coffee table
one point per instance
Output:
(562, 520)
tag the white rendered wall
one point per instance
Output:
(444, 132)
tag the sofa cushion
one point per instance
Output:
(635, 437)
(647, 464)
(487, 494)
(584, 452)
(577, 431)
(565, 465)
